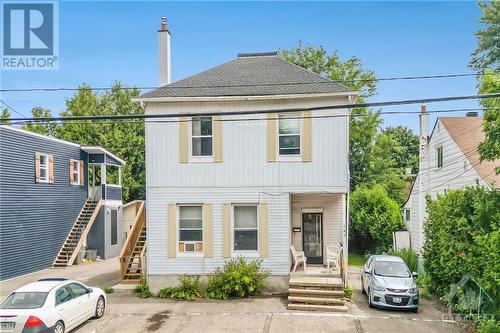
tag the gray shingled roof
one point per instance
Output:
(250, 75)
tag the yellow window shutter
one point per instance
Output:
(207, 230)
(263, 239)
(172, 230)
(226, 230)
(82, 173)
(183, 140)
(51, 169)
(271, 137)
(307, 141)
(217, 124)
(37, 167)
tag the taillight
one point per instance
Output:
(33, 322)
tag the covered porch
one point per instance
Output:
(105, 174)
(319, 238)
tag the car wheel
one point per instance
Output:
(363, 287)
(58, 327)
(99, 308)
(370, 304)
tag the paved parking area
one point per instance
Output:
(128, 313)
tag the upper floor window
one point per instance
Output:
(439, 157)
(246, 228)
(43, 168)
(75, 172)
(201, 137)
(190, 229)
(289, 135)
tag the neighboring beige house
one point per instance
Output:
(227, 185)
(449, 159)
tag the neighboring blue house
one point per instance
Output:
(54, 202)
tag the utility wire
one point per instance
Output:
(395, 78)
(140, 121)
(11, 108)
(267, 111)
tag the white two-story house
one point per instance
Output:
(222, 184)
(449, 159)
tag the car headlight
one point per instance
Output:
(413, 290)
(378, 288)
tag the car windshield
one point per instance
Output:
(391, 268)
(24, 300)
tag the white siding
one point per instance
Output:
(333, 217)
(157, 226)
(244, 151)
(456, 173)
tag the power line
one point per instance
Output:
(268, 111)
(394, 78)
(11, 108)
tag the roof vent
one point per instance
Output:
(471, 114)
(257, 54)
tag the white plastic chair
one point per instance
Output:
(333, 257)
(298, 257)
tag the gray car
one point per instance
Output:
(389, 283)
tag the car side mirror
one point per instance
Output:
(414, 274)
(89, 290)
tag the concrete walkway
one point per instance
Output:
(97, 274)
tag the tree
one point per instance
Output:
(487, 53)
(489, 149)
(5, 116)
(374, 217)
(123, 138)
(407, 156)
(45, 128)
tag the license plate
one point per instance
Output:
(7, 325)
(396, 299)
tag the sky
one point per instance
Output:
(103, 42)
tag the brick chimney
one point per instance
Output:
(164, 52)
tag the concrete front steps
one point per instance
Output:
(315, 293)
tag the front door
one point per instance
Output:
(312, 237)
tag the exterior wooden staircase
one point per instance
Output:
(316, 293)
(132, 256)
(77, 236)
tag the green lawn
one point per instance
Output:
(356, 259)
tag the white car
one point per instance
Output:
(50, 305)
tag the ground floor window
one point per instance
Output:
(246, 228)
(190, 228)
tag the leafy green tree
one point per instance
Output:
(407, 156)
(41, 127)
(123, 138)
(5, 116)
(489, 149)
(462, 235)
(487, 53)
(374, 217)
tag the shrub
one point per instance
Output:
(488, 326)
(143, 288)
(375, 216)
(107, 290)
(423, 282)
(348, 290)
(462, 236)
(237, 278)
(409, 256)
(189, 289)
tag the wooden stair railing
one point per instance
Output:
(77, 235)
(83, 238)
(132, 242)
